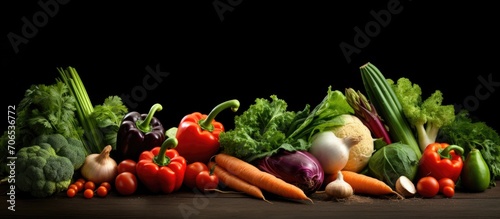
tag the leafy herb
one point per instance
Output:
(108, 117)
(44, 109)
(470, 134)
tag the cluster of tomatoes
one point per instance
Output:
(126, 182)
(429, 187)
(199, 176)
(88, 188)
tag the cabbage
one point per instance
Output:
(392, 161)
(299, 168)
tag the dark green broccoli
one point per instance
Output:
(68, 147)
(41, 172)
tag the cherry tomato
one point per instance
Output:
(192, 170)
(443, 182)
(89, 185)
(127, 165)
(428, 187)
(79, 185)
(448, 191)
(73, 186)
(81, 180)
(102, 191)
(107, 185)
(71, 192)
(206, 180)
(126, 183)
(88, 193)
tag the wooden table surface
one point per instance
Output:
(188, 204)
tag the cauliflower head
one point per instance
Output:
(361, 152)
(41, 172)
(68, 147)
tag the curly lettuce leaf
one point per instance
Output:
(259, 131)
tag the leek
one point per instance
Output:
(388, 106)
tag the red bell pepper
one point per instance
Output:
(198, 134)
(441, 160)
(162, 169)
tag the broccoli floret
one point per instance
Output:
(68, 147)
(41, 172)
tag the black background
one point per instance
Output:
(260, 48)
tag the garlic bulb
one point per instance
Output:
(339, 188)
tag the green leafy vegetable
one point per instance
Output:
(392, 161)
(470, 134)
(427, 116)
(44, 109)
(100, 125)
(260, 130)
(108, 116)
(268, 126)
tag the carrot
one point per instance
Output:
(365, 185)
(236, 183)
(259, 178)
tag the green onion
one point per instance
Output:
(92, 137)
(387, 104)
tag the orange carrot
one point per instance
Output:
(236, 183)
(365, 185)
(261, 179)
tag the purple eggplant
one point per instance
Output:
(299, 168)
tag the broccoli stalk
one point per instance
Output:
(426, 116)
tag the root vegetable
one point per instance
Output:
(405, 187)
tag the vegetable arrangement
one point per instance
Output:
(390, 143)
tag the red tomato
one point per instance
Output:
(448, 191)
(428, 187)
(126, 183)
(192, 170)
(205, 180)
(71, 192)
(127, 165)
(107, 185)
(443, 182)
(89, 185)
(102, 191)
